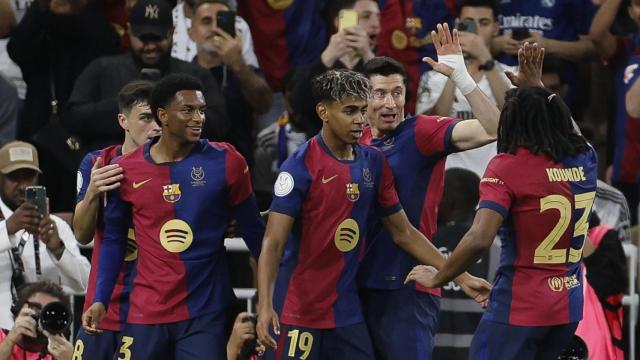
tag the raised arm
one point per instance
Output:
(275, 238)
(472, 133)
(603, 40)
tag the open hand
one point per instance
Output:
(530, 58)
(423, 275)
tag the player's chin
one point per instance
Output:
(354, 136)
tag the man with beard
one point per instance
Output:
(93, 103)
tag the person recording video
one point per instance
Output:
(27, 339)
(34, 245)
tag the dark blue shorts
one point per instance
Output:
(494, 340)
(98, 347)
(344, 343)
(402, 322)
(203, 337)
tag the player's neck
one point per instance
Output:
(339, 149)
(170, 150)
(128, 146)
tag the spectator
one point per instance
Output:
(19, 343)
(459, 316)
(560, 27)
(93, 104)
(437, 94)
(9, 109)
(245, 91)
(52, 44)
(347, 49)
(54, 256)
(605, 279)
(612, 209)
(405, 36)
(623, 54)
(274, 145)
(184, 48)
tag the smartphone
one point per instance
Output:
(468, 25)
(37, 195)
(226, 20)
(150, 74)
(520, 34)
(347, 18)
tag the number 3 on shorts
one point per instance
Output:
(125, 352)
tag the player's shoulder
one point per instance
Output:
(430, 119)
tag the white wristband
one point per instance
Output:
(460, 76)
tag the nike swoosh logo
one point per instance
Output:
(324, 181)
(137, 185)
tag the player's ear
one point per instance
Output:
(122, 120)
(321, 110)
(162, 116)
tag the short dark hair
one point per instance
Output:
(44, 287)
(538, 120)
(134, 93)
(460, 196)
(335, 85)
(164, 91)
(202, 2)
(491, 4)
(385, 66)
(552, 64)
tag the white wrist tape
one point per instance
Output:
(460, 76)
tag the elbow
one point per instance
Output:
(478, 241)
(402, 238)
(632, 104)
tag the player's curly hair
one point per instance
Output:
(540, 121)
(164, 91)
(335, 85)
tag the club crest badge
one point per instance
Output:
(353, 192)
(171, 193)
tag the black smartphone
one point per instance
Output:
(37, 195)
(226, 20)
(520, 34)
(150, 74)
(468, 25)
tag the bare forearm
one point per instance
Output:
(485, 110)
(254, 88)
(267, 272)
(499, 84)
(468, 251)
(603, 19)
(84, 219)
(418, 246)
(445, 102)
(6, 346)
(573, 51)
(632, 100)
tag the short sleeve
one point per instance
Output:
(84, 175)
(387, 198)
(291, 186)
(631, 72)
(495, 193)
(433, 134)
(238, 176)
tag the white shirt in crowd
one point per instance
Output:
(71, 271)
(429, 91)
(185, 49)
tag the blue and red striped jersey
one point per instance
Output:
(286, 34)
(405, 35)
(416, 151)
(180, 212)
(546, 208)
(119, 303)
(626, 63)
(331, 201)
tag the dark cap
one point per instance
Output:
(151, 17)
